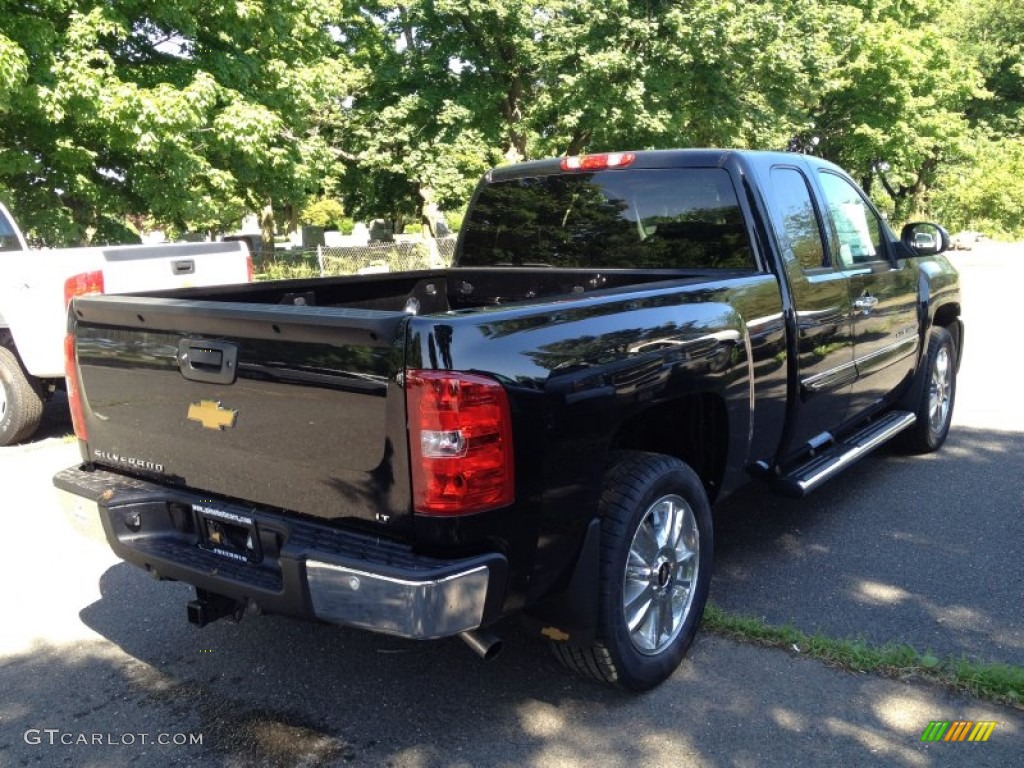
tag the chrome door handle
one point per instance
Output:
(865, 303)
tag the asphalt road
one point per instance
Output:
(919, 550)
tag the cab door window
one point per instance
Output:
(8, 235)
(856, 236)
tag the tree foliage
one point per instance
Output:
(985, 191)
(456, 86)
(191, 113)
(187, 112)
(900, 99)
(993, 31)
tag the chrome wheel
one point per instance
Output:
(939, 391)
(3, 401)
(654, 569)
(661, 572)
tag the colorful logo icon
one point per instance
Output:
(958, 730)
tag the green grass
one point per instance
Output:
(1000, 683)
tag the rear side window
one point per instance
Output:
(796, 223)
(679, 218)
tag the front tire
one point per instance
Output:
(21, 404)
(655, 570)
(935, 396)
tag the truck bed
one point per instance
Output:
(288, 393)
(437, 291)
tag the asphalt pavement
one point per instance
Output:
(922, 550)
(925, 551)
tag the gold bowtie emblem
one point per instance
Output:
(211, 415)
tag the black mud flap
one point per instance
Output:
(571, 615)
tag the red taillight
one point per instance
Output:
(77, 285)
(248, 268)
(598, 162)
(460, 441)
(81, 284)
(74, 395)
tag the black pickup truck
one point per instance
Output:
(539, 430)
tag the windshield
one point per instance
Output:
(677, 218)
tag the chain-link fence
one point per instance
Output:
(403, 255)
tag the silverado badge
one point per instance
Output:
(211, 415)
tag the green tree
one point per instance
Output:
(664, 74)
(994, 31)
(897, 95)
(414, 136)
(985, 191)
(327, 212)
(457, 86)
(190, 112)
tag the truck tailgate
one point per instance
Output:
(137, 268)
(285, 406)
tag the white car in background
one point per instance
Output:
(37, 285)
(924, 240)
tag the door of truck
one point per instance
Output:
(821, 303)
(883, 291)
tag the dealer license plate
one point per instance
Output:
(228, 534)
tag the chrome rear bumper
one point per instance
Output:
(297, 567)
(435, 607)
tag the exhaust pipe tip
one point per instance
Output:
(484, 644)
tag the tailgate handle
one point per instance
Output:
(205, 358)
(183, 267)
(215, 362)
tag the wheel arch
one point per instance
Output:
(693, 428)
(948, 316)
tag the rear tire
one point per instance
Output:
(21, 402)
(655, 570)
(935, 395)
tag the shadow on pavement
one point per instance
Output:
(277, 692)
(56, 420)
(924, 550)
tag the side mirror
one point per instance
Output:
(925, 238)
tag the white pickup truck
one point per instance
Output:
(36, 286)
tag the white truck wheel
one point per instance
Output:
(21, 405)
